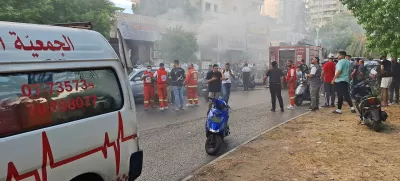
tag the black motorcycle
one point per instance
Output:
(369, 106)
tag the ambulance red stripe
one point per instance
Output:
(48, 158)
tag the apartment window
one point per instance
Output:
(208, 6)
(215, 8)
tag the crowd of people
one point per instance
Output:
(335, 78)
(219, 84)
(178, 78)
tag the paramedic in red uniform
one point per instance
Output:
(148, 90)
(162, 80)
(291, 81)
(191, 86)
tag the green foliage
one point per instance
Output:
(380, 19)
(338, 34)
(178, 44)
(99, 12)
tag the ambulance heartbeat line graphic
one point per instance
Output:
(48, 159)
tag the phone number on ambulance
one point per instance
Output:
(68, 86)
(61, 105)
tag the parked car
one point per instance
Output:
(137, 84)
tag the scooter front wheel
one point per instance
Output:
(213, 144)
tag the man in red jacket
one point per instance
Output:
(191, 86)
(291, 81)
(148, 90)
(162, 81)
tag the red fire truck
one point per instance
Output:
(296, 53)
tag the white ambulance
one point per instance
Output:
(66, 107)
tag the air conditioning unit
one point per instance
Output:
(156, 54)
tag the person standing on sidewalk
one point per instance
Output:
(227, 76)
(291, 78)
(246, 77)
(148, 88)
(341, 82)
(276, 77)
(354, 73)
(214, 79)
(161, 76)
(178, 78)
(191, 86)
(394, 87)
(315, 83)
(386, 69)
(328, 72)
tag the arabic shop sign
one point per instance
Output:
(232, 42)
(141, 32)
(257, 42)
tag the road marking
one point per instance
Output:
(244, 143)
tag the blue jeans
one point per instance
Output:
(226, 91)
(178, 95)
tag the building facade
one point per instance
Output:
(323, 11)
(231, 30)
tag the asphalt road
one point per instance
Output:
(173, 142)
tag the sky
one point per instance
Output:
(126, 4)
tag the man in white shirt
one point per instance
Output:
(246, 77)
(227, 76)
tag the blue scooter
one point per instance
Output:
(216, 126)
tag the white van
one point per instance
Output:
(66, 107)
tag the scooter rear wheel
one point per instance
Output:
(298, 101)
(213, 144)
(377, 126)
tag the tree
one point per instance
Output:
(338, 34)
(99, 12)
(178, 44)
(380, 19)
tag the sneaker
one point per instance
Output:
(282, 110)
(189, 105)
(161, 109)
(272, 110)
(166, 107)
(176, 109)
(196, 104)
(181, 108)
(290, 107)
(332, 105)
(337, 111)
(353, 110)
(146, 108)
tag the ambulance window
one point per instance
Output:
(33, 100)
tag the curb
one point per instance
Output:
(244, 143)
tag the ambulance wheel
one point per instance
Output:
(298, 101)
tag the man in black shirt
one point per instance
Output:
(394, 87)
(354, 72)
(275, 85)
(214, 79)
(178, 77)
